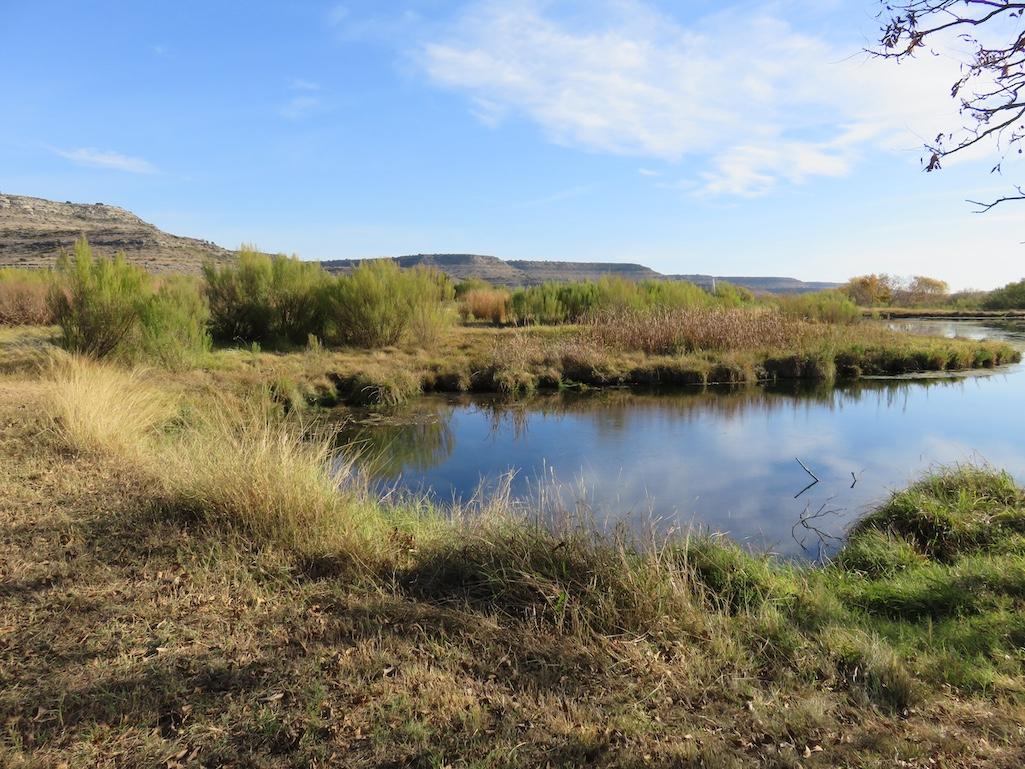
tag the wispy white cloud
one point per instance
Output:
(337, 14)
(564, 194)
(304, 102)
(298, 84)
(384, 26)
(757, 100)
(86, 156)
(299, 107)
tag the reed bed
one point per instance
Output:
(486, 304)
(667, 331)
(24, 298)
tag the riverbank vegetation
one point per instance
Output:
(921, 295)
(380, 334)
(203, 585)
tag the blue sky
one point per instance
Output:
(714, 137)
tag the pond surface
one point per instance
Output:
(720, 459)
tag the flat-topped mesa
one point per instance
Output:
(523, 272)
(33, 232)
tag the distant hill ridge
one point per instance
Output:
(521, 272)
(34, 230)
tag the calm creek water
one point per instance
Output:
(721, 459)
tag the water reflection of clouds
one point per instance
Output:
(722, 458)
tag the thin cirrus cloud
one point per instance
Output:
(108, 159)
(304, 101)
(755, 101)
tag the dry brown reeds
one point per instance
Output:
(489, 304)
(23, 298)
(670, 331)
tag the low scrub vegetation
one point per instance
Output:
(380, 305)
(109, 308)
(276, 301)
(554, 303)
(823, 306)
(267, 300)
(924, 293)
(1010, 297)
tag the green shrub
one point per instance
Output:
(824, 306)
(378, 304)
(1010, 297)
(732, 296)
(109, 308)
(266, 299)
(554, 303)
(174, 323)
(683, 295)
(97, 301)
(297, 290)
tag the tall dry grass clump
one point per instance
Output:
(668, 331)
(489, 304)
(24, 298)
(243, 468)
(571, 576)
(100, 409)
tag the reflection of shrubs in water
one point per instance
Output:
(612, 408)
(409, 439)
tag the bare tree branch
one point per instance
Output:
(991, 90)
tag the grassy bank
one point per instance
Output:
(196, 587)
(511, 361)
(524, 360)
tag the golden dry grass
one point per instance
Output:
(486, 304)
(23, 298)
(100, 408)
(239, 467)
(668, 331)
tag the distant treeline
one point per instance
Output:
(920, 291)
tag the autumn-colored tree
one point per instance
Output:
(871, 290)
(922, 290)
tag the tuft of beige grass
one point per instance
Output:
(101, 409)
(241, 467)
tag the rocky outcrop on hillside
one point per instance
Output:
(33, 231)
